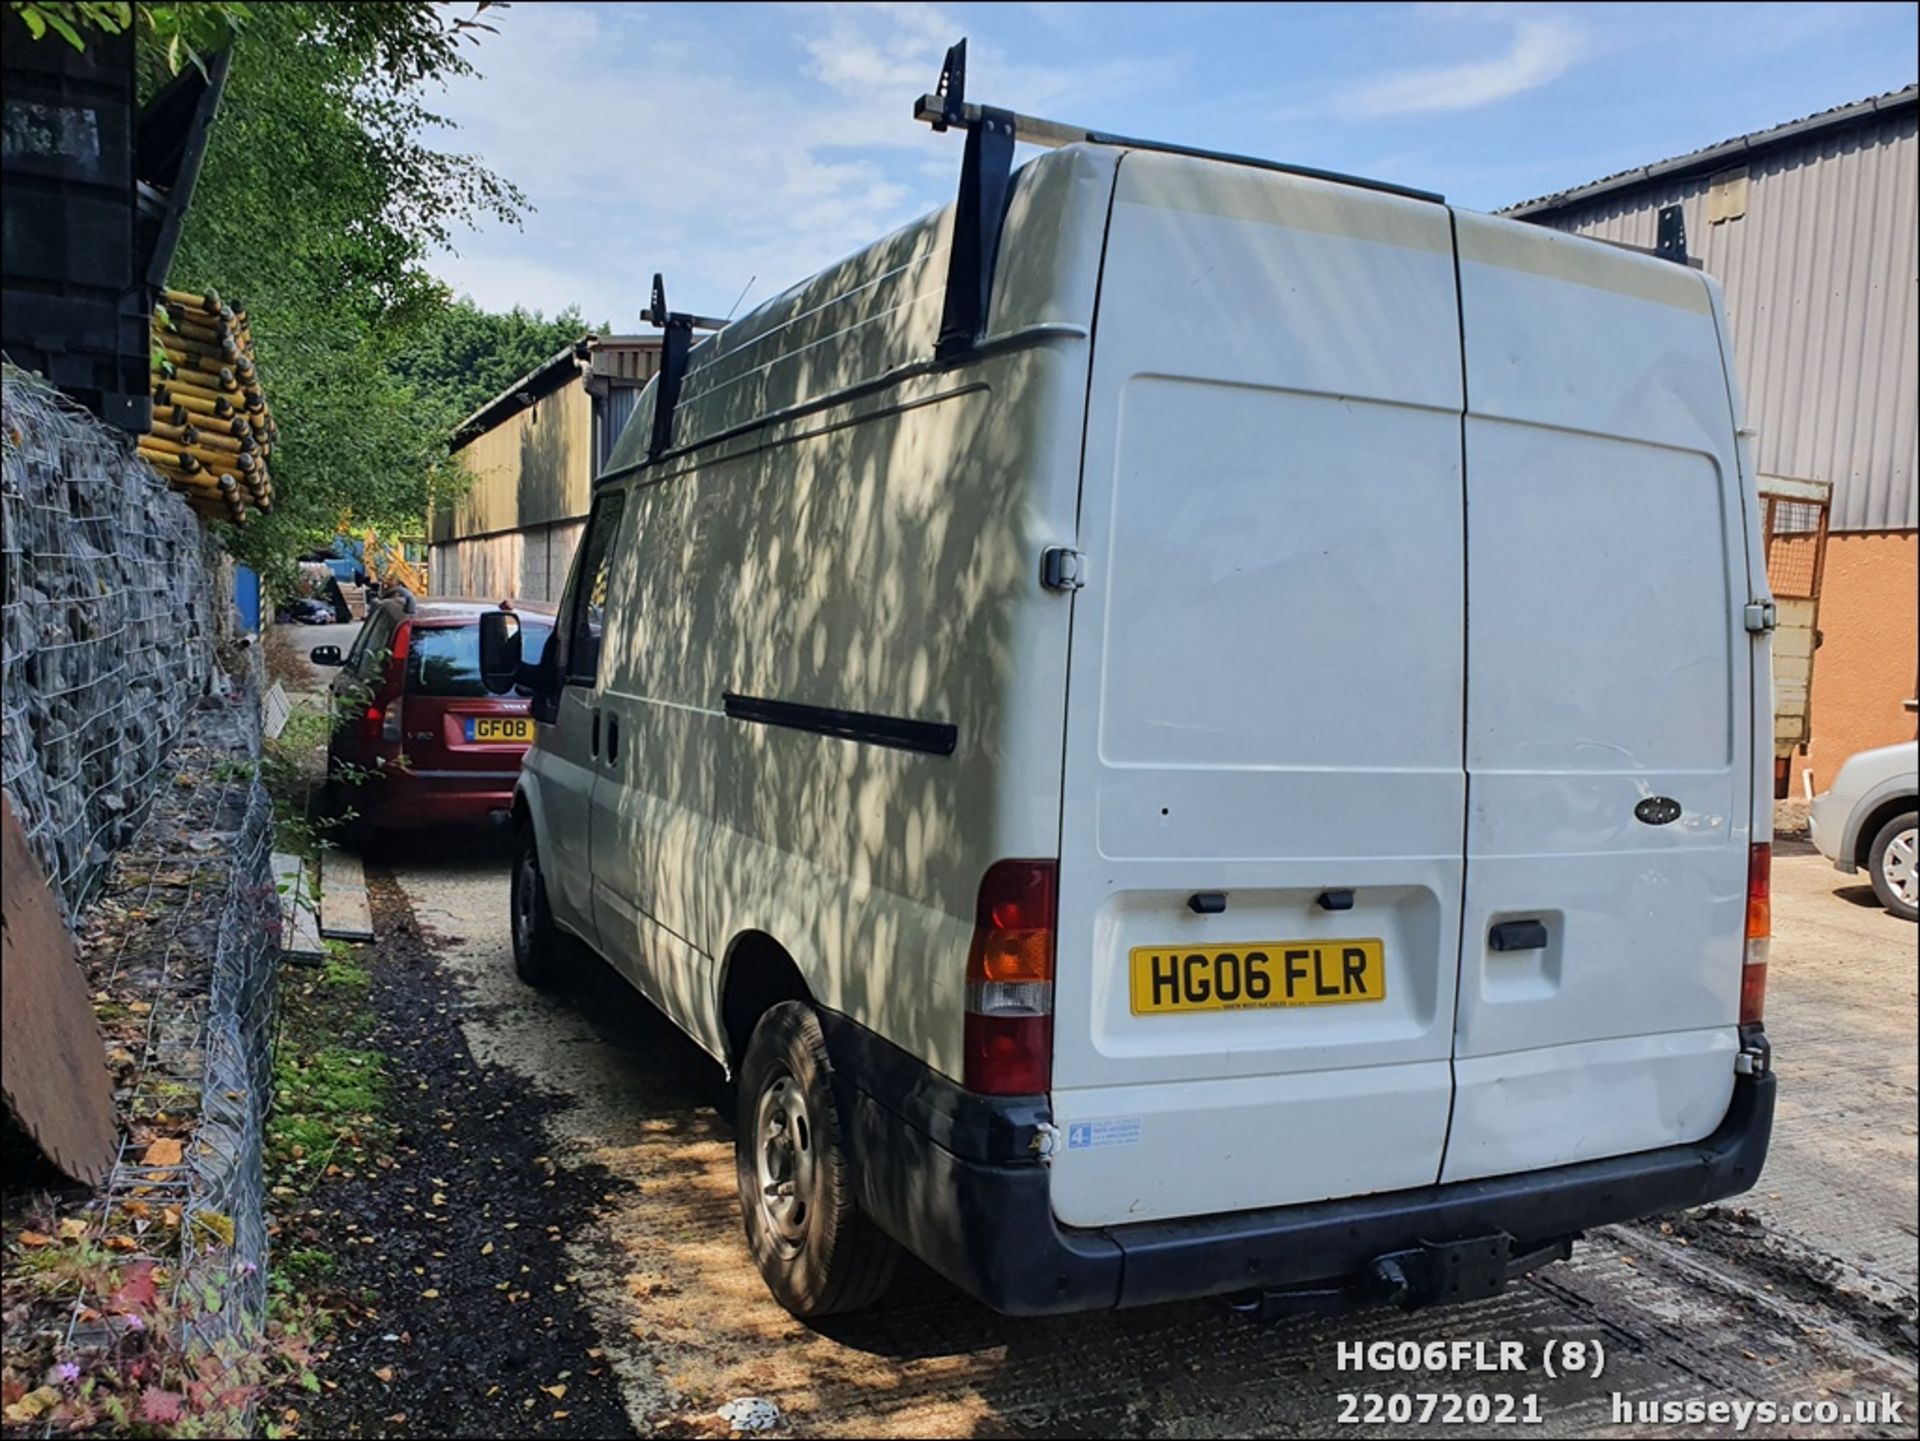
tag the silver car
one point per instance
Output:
(1866, 821)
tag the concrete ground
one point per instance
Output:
(1841, 1007)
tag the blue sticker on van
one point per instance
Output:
(1113, 1131)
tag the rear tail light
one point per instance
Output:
(1009, 1025)
(1753, 976)
(372, 724)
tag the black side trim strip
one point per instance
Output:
(935, 738)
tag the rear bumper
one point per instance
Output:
(953, 1177)
(403, 799)
(1826, 826)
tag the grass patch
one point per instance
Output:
(306, 1266)
(327, 1105)
(328, 1097)
(343, 973)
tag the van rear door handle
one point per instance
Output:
(593, 747)
(613, 740)
(1518, 936)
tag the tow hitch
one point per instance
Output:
(1432, 1273)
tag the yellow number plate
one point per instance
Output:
(1257, 975)
(511, 728)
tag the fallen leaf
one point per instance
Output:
(487, 1250)
(557, 1392)
(439, 1198)
(385, 1373)
(33, 1404)
(431, 1294)
(160, 1407)
(35, 1239)
(165, 1152)
(561, 1415)
(595, 1353)
(72, 1228)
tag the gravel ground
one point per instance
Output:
(461, 1314)
(1843, 1174)
(1732, 1304)
(1801, 1291)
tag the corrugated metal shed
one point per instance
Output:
(1813, 229)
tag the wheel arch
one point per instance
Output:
(756, 974)
(1875, 815)
(525, 810)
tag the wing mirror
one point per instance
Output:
(325, 655)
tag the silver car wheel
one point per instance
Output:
(1897, 864)
(785, 1160)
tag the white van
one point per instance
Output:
(1239, 764)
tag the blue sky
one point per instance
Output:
(725, 144)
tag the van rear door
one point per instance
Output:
(1264, 793)
(1609, 707)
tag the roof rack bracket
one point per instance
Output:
(986, 177)
(986, 174)
(675, 345)
(1672, 241)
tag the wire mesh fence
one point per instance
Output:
(133, 761)
(183, 945)
(109, 618)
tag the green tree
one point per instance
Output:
(464, 356)
(318, 204)
(319, 201)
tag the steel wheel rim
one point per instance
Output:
(1897, 864)
(523, 882)
(785, 1160)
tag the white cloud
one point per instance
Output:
(1542, 49)
(646, 143)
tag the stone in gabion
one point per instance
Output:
(108, 620)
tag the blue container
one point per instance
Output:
(246, 598)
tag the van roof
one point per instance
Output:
(879, 308)
(875, 315)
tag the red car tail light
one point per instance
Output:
(1753, 976)
(1009, 1018)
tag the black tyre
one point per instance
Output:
(1892, 864)
(817, 1252)
(541, 950)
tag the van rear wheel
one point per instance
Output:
(815, 1249)
(1891, 863)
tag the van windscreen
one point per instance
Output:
(445, 660)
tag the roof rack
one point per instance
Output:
(986, 173)
(675, 343)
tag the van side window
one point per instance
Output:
(586, 603)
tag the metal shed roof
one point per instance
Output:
(1721, 155)
(1812, 229)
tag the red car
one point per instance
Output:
(418, 740)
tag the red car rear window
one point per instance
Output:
(445, 660)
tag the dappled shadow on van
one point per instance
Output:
(880, 557)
